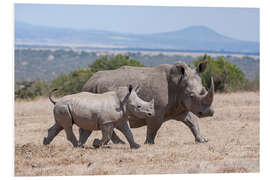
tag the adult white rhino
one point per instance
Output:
(177, 90)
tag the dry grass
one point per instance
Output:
(233, 145)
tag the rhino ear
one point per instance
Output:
(177, 72)
(202, 66)
(130, 87)
(181, 70)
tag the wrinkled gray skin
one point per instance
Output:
(177, 90)
(97, 112)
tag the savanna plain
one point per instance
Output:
(233, 147)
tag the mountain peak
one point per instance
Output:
(200, 29)
(195, 33)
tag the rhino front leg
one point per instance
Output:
(128, 134)
(192, 122)
(152, 132)
(106, 130)
(84, 135)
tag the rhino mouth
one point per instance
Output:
(204, 102)
(207, 114)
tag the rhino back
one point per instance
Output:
(152, 80)
(90, 110)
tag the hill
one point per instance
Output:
(194, 38)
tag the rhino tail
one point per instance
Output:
(50, 94)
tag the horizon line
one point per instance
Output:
(89, 29)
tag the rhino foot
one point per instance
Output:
(81, 146)
(135, 146)
(45, 141)
(149, 141)
(201, 140)
(96, 143)
(118, 141)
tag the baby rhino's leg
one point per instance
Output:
(52, 132)
(71, 137)
(106, 130)
(64, 117)
(128, 134)
(84, 134)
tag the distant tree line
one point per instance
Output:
(47, 64)
(227, 77)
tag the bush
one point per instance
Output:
(110, 63)
(31, 89)
(74, 81)
(227, 77)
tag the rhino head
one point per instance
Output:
(188, 90)
(135, 106)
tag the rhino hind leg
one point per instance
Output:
(71, 137)
(84, 134)
(52, 132)
(107, 130)
(116, 140)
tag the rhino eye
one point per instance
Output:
(139, 106)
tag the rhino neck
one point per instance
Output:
(175, 103)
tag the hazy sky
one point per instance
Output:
(240, 23)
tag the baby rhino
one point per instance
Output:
(98, 112)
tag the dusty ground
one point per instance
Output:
(233, 145)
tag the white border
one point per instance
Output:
(7, 76)
(204, 3)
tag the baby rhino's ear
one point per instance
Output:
(130, 88)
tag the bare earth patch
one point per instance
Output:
(233, 145)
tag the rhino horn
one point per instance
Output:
(208, 99)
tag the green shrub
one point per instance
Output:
(31, 89)
(115, 62)
(227, 77)
(74, 81)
